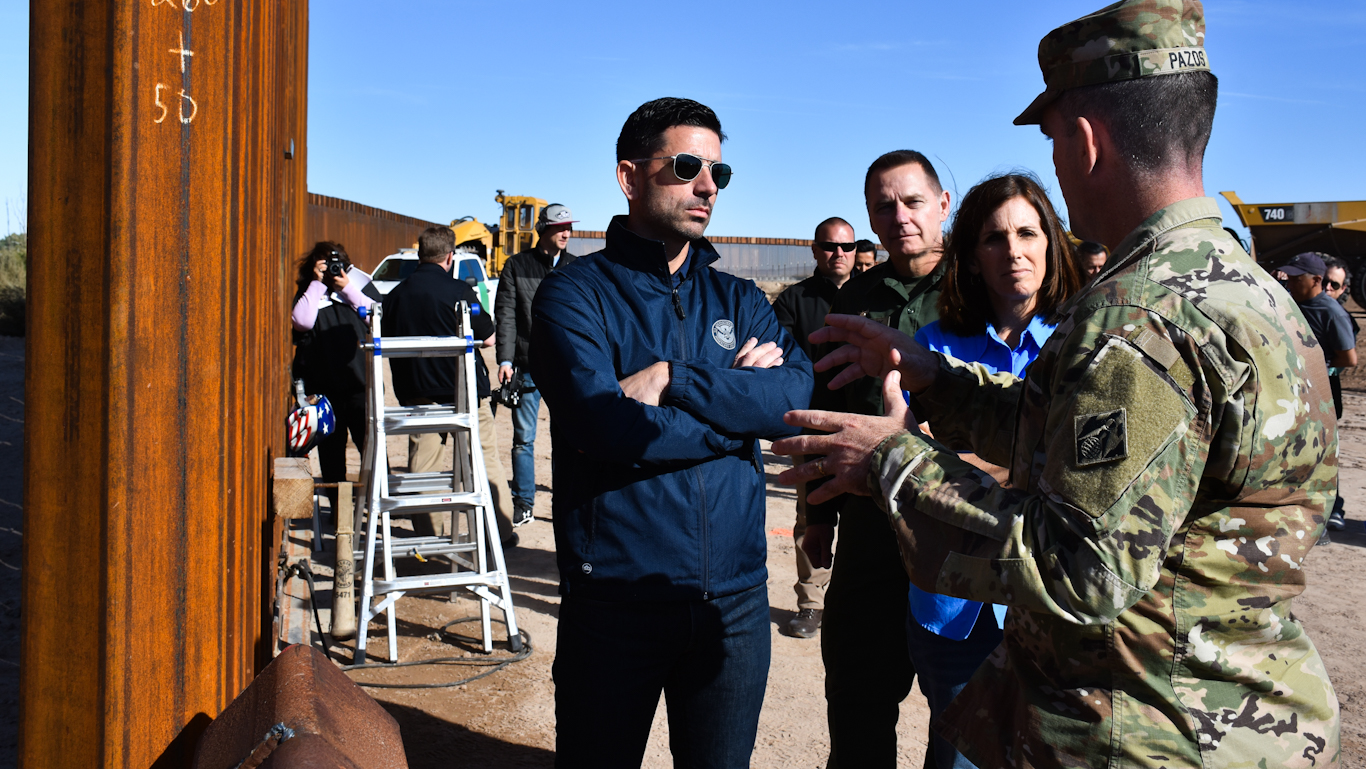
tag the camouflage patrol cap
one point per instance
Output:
(1124, 41)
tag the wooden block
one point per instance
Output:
(292, 488)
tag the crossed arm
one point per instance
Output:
(655, 415)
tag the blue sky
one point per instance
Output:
(426, 108)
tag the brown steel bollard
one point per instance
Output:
(334, 723)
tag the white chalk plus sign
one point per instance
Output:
(183, 53)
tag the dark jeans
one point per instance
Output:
(709, 658)
(945, 665)
(863, 641)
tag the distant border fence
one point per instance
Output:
(753, 258)
(369, 233)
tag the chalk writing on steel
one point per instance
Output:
(159, 104)
(194, 108)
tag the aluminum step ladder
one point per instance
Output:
(474, 551)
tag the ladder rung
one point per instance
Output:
(439, 581)
(403, 550)
(416, 483)
(431, 503)
(428, 422)
(419, 346)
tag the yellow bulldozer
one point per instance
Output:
(514, 232)
(1281, 230)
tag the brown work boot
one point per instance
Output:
(804, 625)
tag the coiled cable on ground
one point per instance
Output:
(496, 663)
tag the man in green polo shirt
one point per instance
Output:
(865, 602)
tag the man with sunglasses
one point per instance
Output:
(663, 375)
(866, 597)
(801, 309)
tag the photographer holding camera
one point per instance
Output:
(327, 355)
(517, 284)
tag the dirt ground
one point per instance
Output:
(507, 719)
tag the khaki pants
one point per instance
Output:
(811, 581)
(426, 454)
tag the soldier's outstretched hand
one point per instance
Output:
(845, 452)
(873, 349)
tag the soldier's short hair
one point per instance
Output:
(863, 245)
(434, 243)
(1157, 123)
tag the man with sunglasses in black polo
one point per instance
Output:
(802, 309)
(663, 374)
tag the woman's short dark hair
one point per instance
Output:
(321, 250)
(642, 135)
(964, 304)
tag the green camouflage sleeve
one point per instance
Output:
(1113, 474)
(971, 409)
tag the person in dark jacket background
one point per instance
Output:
(801, 309)
(517, 283)
(327, 355)
(663, 374)
(424, 305)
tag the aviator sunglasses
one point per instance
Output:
(687, 167)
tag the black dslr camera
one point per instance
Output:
(335, 268)
(509, 395)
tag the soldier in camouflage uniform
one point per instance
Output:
(1172, 455)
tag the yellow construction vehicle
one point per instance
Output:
(1281, 230)
(515, 231)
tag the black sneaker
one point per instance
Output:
(1337, 521)
(805, 624)
(521, 515)
(1324, 540)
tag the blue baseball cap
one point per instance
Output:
(1308, 263)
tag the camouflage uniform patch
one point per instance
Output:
(1150, 590)
(1101, 438)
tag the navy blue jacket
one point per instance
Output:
(659, 502)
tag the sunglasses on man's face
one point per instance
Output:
(687, 167)
(1333, 284)
(830, 248)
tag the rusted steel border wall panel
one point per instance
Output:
(163, 214)
(369, 234)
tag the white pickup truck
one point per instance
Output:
(468, 267)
